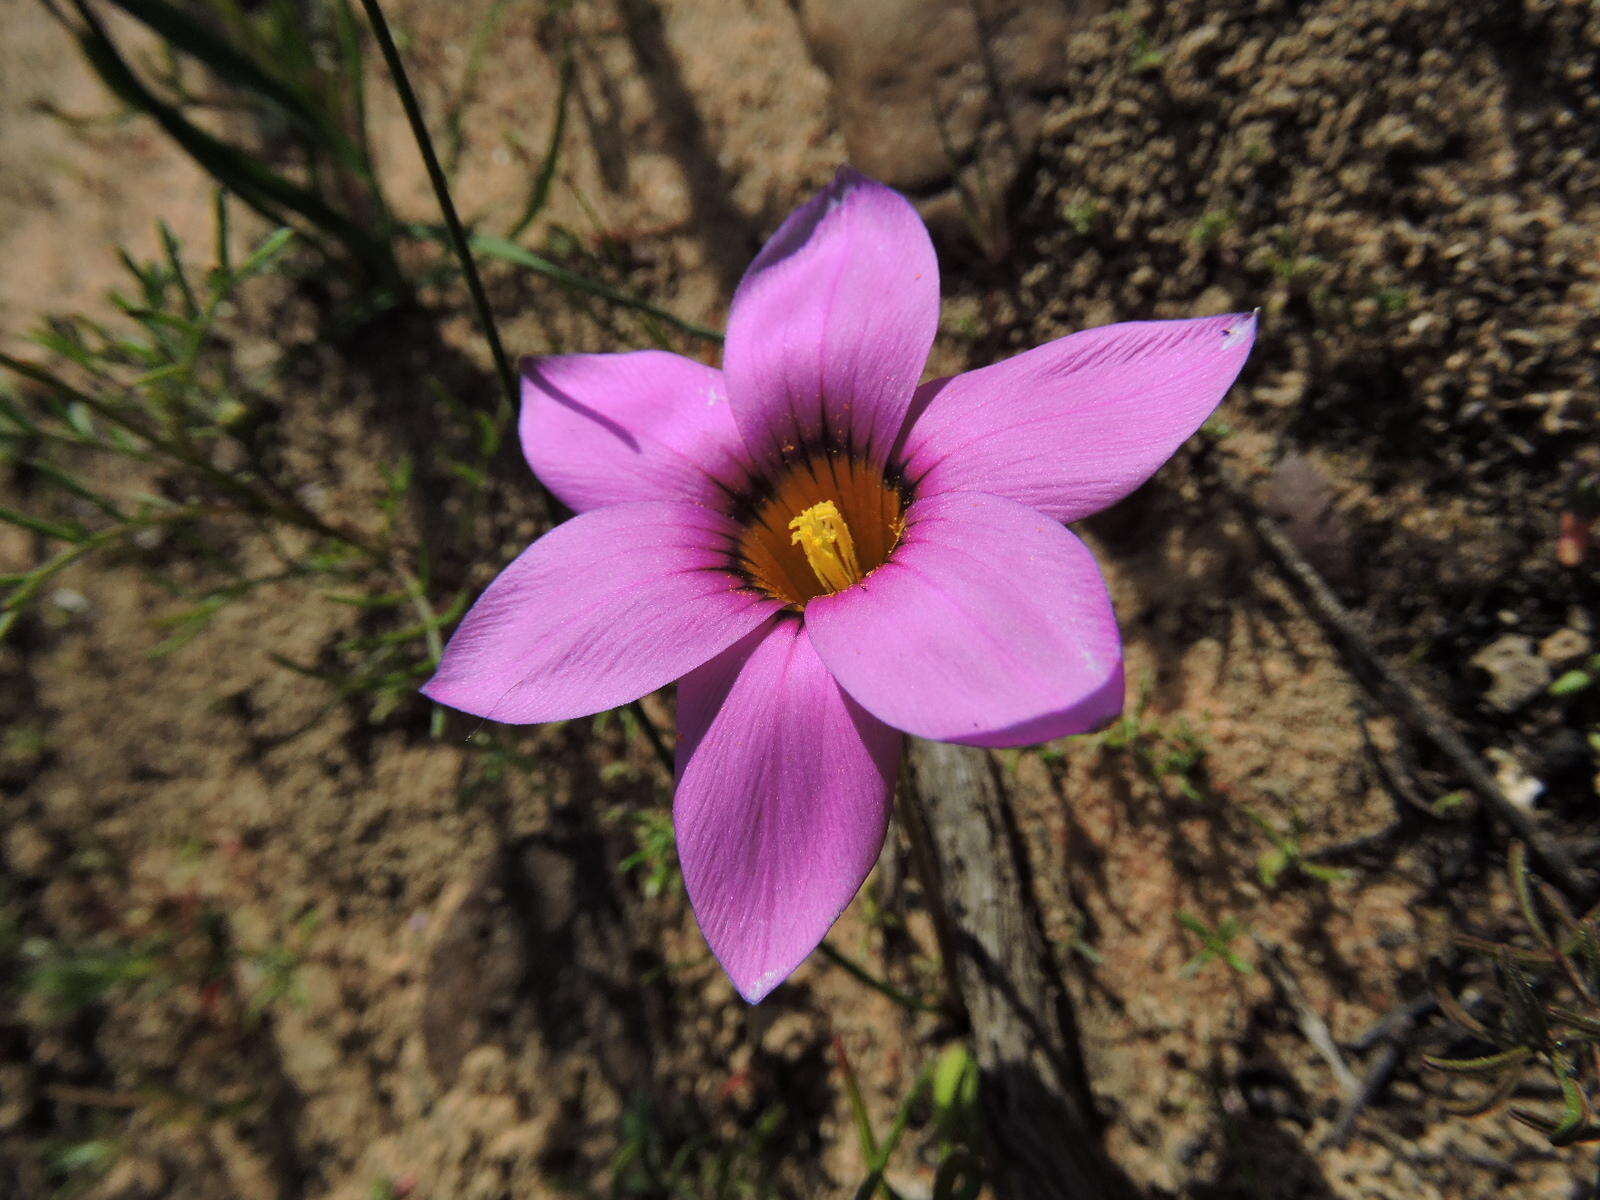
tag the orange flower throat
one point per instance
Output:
(828, 523)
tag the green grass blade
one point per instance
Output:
(1489, 1064)
(65, 533)
(264, 254)
(902, 1116)
(858, 1105)
(495, 247)
(180, 273)
(854, 969)
(76, 488)
(181, 30)
(441, 190)
(469, 83)
(224, 252)
(263, 189)
(12, 411)
(544, 178)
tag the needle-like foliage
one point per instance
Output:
(1542, 1012)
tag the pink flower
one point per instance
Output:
(826, 555)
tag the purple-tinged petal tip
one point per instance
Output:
(783, 798)
(1075, 425)
(604, 609)
(831, 325)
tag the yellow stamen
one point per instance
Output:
(851, 514)
(821, 532)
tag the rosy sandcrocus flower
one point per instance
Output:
(826, 555)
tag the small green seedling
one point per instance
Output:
(1216, 944)
(1287, 855)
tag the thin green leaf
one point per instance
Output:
(263, 255)
(1517, 862)
(1573, 1125)
(76, 488)
(1499, 1092)
(180, 274)
(197, 39)
(539, 193)
(161, 374)
(1571, 682)
(510, 252)
(469, 82)
(63, 343)
(151, 281)
(223, 250)
(13, 413)
(1489, 1064)
(1524, 1002)
(1194, 924)
(1324, 874)
(187, 625)
(854, 969)
(66, 533)
(399, 637)
(1575, 1106)
(156, 319)
(858, 1106)
(353, 62)
(1533, 958)
(391, 600)
(251, 180)
(456, 234)
(1455, 1012)
(902, 1116)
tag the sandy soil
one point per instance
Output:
(482, 1004)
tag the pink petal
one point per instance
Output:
(831, 326)
(602, 429)
(1076, 424)
(783, 800)
(989, 625)
(601, 610)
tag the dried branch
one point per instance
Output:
(1410, 704)
(1043, 1132)
(1310, 1021)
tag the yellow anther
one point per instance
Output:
(821, 532)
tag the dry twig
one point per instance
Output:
(1310, 1021)
(1410, 704)
(1043, 1133)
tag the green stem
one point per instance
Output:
(441, 191)
(39, 576)
(652, 735)
(862, 975)
(463, 251)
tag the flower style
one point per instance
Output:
(826, 555)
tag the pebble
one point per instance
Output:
(1563, 646)
(1516, 674)
(1521, 788)
(69, 600)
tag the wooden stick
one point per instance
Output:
(1309, 1019)
(1044, 1136)
(1388, 1035)
(1413, 708)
